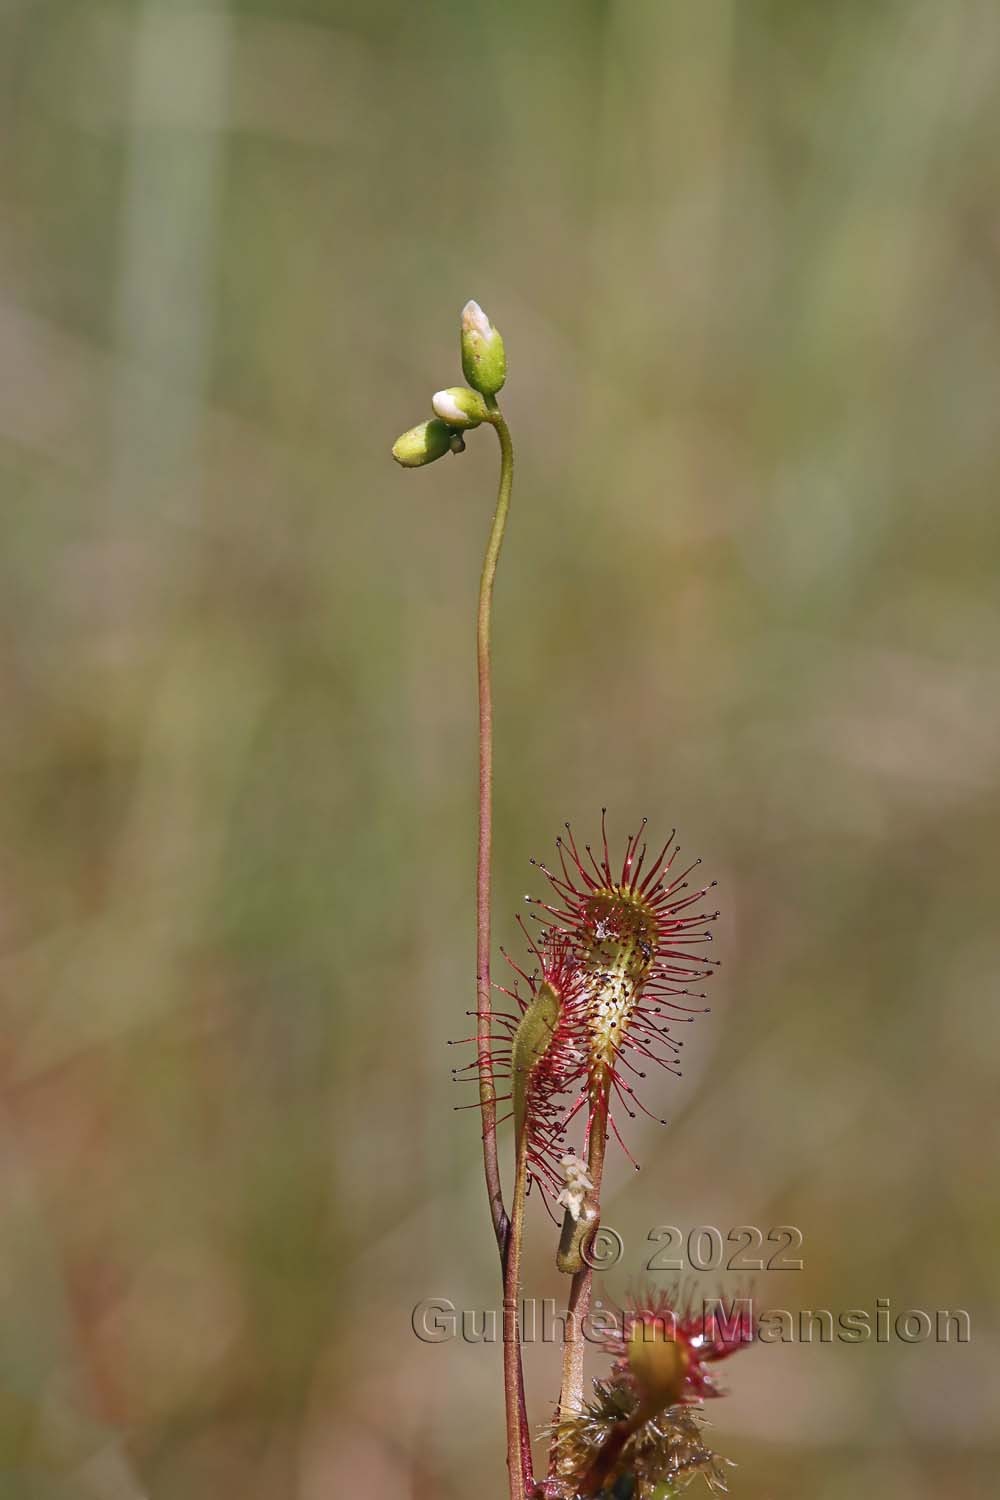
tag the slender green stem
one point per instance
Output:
(484, 870)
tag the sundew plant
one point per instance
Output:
(615, 966)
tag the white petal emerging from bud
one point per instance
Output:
(459, 407)
(484, 362)
(474, 320)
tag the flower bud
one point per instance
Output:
(459, 407)
(422, 444)
(658, 1363)
(484, 362)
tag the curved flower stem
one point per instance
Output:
(484, 998)
(508, 1231)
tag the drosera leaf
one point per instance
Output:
(531, 1042)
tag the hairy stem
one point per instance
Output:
(484, 874)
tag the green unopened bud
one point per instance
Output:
(459, 407)
(659, 1364)
(484, 362)
(423, 444)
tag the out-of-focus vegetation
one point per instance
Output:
(744, 258)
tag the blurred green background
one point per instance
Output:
(745, 259)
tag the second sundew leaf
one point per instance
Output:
(636, 932)
(532, 1040)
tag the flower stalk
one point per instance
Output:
(484, 862)
(613, 970)
(508, 1230)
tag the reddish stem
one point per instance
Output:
(508, 1232)
(484, 876)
